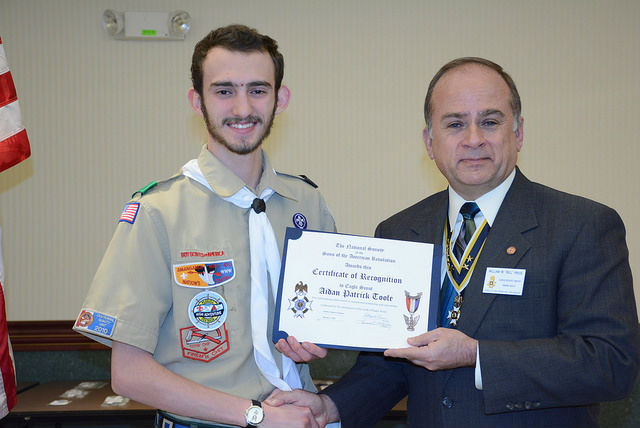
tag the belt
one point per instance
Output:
(164, 420)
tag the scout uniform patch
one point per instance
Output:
(96, 322)
(205, 274)
(130, 212)
(300, 221)
(204, 345)
(208, 310)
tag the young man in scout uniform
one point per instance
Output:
(185, 292)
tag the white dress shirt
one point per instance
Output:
(489, 204)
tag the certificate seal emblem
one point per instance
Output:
(300, 304)
(208, 310)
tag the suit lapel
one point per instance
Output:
(516, 215)
(428, 224)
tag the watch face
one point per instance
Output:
(255, 415)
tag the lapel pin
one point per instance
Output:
(511, 250)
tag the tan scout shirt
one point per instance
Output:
(136, 295)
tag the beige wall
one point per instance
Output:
(106, 117)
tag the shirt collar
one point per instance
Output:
(225, 183)
(270, 178)
(489, 203)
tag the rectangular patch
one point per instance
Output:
(201, 254)
(96, 322)
(130, 212)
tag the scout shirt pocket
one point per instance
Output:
(197, 270)
(201, 311)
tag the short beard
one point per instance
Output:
(246, 147)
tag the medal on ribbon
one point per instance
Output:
(413, 302)
(460, 272)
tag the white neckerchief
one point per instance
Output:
(265, 257)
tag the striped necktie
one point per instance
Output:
(468, 211)
(448, 294)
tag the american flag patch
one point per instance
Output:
(130, 212)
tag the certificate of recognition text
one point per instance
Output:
(355, 292)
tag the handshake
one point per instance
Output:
(305, 408)
(299, 408)
(438, 349)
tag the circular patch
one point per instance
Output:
(208, 310)
(300, 221)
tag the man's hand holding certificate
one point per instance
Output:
(355, 292)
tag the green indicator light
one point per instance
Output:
(149, 32)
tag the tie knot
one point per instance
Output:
(258, 205)
(469, 210)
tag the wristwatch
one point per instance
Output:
(254, 415)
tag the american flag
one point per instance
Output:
(14, 148)
(130, 212)
(8, 397)
(14, 144)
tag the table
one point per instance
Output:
(34, 408)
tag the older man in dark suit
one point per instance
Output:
(538, 318)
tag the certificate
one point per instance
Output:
(355, 292)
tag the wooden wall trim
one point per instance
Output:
(49, 336)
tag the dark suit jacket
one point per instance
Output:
(547, 357)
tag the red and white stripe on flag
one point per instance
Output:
(8, 396)
(14, 144)
(130, 212)
(14, 148)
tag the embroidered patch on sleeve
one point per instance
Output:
(130, 212)
(96, 322)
